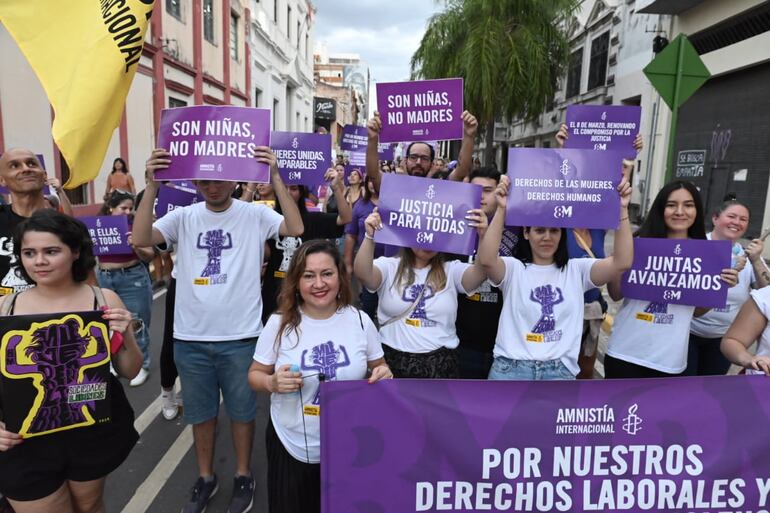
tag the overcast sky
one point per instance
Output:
(385, 33)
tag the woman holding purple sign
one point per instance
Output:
(649, 339)
(418, 302)
(541, 324)
(704, 358)
(128, 277)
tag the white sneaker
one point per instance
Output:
(169, 407)
(140, 378)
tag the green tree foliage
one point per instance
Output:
(511, 54)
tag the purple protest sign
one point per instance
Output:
(601, 445)
(109, 234)
(603, 127)
(421, 111)
(302, 158)
(385, 151)
(214, 143)
(354, 138)
(170, 198)
(427, 214)
(678, 271)
(563, 188)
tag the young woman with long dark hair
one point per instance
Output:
(542, 318)
(65, 471)
(650, 339)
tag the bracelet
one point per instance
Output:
(367, 236)
(624, 218)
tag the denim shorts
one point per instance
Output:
(529, 370)
(206, 368)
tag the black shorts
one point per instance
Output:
(40, 465)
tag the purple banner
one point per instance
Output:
(109, 234)
(302, 158)
(214, 143)
(563, 188)
(427, 214)
(603, 127)
(678, 271)
(617, 445)
(170, 198)
(421, 111)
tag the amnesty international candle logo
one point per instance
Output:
(632, 423)
(54, 370)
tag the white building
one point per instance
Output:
(728, 119)
(281, 43)
(611, 42)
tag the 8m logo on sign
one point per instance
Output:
(562, 211)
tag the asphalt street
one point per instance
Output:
(159, 474)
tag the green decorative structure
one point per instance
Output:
(676, 73)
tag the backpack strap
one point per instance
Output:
(7, 306)
(99, 296)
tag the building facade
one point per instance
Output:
(610, 44)
(281, 41)
(726, 123)
(196, 52)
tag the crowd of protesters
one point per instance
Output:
(271, 282)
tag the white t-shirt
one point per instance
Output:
(431, 324)
(542, 317)
(339, 347)
(761, 298)
(219, 258)
(653, 335)
(715, 322)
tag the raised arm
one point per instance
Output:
(363, 267)
(489, 245)
(292, 221)
(475, 275)
(372, 154)
(465, 160)
(747, 327)
(143, 234)
(344, 210)
(754, 254)
(64, 201)
(604, 270)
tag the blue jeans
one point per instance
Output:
(205, 368)
(134, 287)
(529, 370)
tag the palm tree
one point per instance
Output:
(511, 54)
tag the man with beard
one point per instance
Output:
(419, 156)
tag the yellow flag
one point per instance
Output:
(85, 53)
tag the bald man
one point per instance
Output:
(22, 174)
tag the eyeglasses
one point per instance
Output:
(422, 158)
